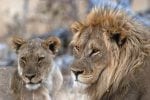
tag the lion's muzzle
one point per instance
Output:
(77, 73)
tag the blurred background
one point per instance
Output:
(41, 18)
(30, 18)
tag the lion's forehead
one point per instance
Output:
(32, 44)
(89, 39)
(32, 48)
(32, 53)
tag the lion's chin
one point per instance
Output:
(33, 86)
(80, 87)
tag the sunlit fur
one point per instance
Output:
(124, 78)
(36, 57)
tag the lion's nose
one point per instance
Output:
(77, 72)
(30, 76)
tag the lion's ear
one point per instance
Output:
(17, 42)
(119, 38)
(76, 27)
(53, 44)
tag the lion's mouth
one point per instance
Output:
(80, 87)
(39, 82)
(89, 78)
(83, 78)
(33, 86)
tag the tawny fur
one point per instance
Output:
(127, 76)
(43, 68)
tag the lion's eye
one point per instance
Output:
(94, 52)
(23, 61)
(41, 58)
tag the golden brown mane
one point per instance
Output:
(126, 59)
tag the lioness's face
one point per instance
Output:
(35, 59)
(91, 55)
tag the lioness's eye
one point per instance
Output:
(23, 58)
(23, 61)
(41, 58)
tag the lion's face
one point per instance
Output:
(35, 59)
(109, 48)
(92, 45)
(91, 56)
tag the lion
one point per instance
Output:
(111, 52)
(36, 76)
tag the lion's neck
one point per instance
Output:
(38, 94)
(111, 78)
(48, 82)
(97, 90)
(54, 80)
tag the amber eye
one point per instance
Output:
(94, 52)
(23, 59)
(41, 58)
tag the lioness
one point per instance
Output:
(112, 60)
(36, 77)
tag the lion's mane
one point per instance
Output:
(127, 60)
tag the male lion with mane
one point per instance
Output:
(112, 56)
(36, 76)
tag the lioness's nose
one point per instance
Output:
(30, 76)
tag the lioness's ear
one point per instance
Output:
(76, 27)
(53, 44)
(119, 38)
(17, 42)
